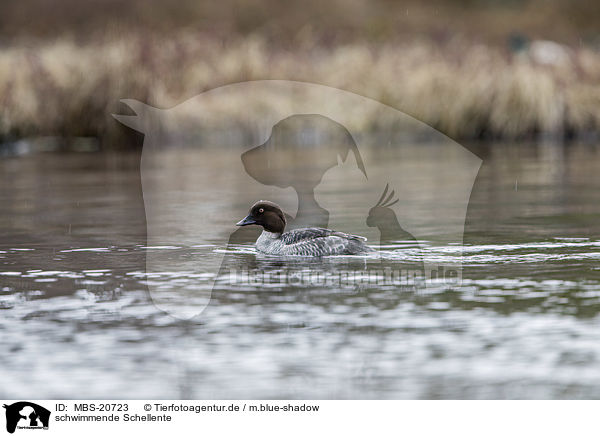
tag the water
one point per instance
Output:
(78, 320)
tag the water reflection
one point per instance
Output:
(523, 324)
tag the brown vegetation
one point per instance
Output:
(446, 63)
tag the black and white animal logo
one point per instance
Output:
(26, 415)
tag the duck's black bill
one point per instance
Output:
(246, 221)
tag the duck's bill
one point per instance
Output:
(246, 221)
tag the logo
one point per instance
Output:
(329, 158)
(26, 415)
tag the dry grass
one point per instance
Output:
(461, 88)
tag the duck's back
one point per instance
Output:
(321, 242)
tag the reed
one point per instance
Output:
(461, 88)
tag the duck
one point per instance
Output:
(313, 241)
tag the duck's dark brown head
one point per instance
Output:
(266, 214)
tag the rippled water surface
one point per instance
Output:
(77, 319)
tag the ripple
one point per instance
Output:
(93, 250)
(511, 328)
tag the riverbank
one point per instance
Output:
(465, 89)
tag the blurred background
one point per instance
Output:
(474, 69)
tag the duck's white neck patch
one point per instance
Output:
(272, 235)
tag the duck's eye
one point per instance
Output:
(261, 210)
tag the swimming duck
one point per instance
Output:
(312, 241)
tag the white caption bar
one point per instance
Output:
(114, 417)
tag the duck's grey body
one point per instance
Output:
(311, 242)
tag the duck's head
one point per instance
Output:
(266, 214)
